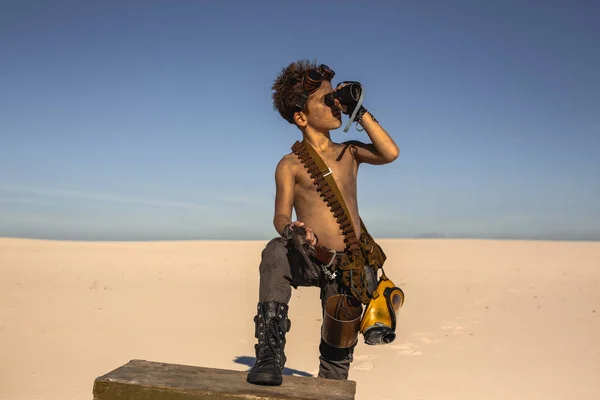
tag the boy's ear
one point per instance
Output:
(300, 119)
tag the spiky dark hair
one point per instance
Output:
(287, 88)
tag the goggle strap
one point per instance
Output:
(301, 101)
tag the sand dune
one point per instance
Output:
(482, 319)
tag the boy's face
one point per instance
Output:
(320, 116)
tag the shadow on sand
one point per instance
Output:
(249, 361)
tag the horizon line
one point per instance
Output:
(418, 237)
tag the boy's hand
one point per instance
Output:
(309, 234)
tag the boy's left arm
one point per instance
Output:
(382, 149)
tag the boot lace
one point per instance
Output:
(271, 353)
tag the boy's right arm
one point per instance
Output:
(285, 180)
(284, 196)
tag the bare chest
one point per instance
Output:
(344, 172)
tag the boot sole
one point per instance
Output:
(264, 379)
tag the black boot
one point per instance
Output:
(271, 326)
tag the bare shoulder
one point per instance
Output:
(288, 161)
(290, 158)
(287, 165)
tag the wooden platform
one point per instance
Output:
(147, 380)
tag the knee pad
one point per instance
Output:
(378, 325)
(341, 320)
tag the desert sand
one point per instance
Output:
(482, 319)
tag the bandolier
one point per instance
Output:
(359, 252)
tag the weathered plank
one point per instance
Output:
(147, 380)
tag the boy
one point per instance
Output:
(299, 96)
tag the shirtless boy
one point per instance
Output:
(281, 266)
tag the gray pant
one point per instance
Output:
(280, 269)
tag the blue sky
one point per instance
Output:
(124, 120)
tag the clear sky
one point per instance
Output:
(123, 120)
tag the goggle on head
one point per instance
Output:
(311, 82)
